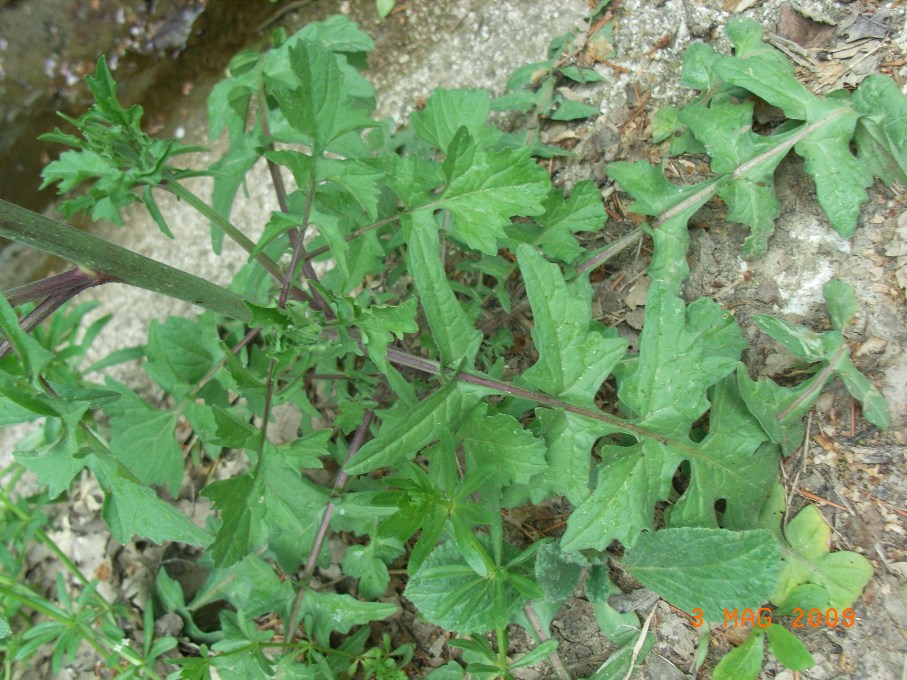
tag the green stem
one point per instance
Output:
(52, 546)
(781, 149)
(108, 262)
(17, 471)
(266, 412)
(223, 224)
(816, 384)
(612, 249)
(30, 599)
(503, 645)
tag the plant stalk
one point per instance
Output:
(539, 629)
(74, 279)
(818, 382)
(223, 224)
(34, 602)
(112, 263)
(51, 545)
(782, 148)
(610, 251)
(339, 483)
(620, 425)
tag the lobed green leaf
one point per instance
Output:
(132, 509)
(485, 190)
(446, 111)
(498, 443)
(415, 428)
(33, 356)
(320, 106)
(335, 612)
(142, 438)
(576, 355)
(582, 211)
(56, 458)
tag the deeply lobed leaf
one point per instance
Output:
(820, 129)
(485, 190)
(576, 355)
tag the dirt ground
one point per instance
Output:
(855, 475)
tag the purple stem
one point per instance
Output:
(490, 326)
(247, 338)
(73, 280)
(274, 169)
(543, 636)
(56, 290)
(359, 232)
(427, 366)
(320, 537)
(307, 268)
(297, 234)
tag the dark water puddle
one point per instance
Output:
(162, 53)
(165, 55)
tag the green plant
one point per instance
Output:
(535, 86)
(68, 622)
(820, 129)
(432, 433)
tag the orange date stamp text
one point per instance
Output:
(803, 618)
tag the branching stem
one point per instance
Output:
(108, 262)
(223, 224)
(817, 382)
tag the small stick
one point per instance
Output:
(637, 648)
(803, 456)
(818, 499)
(853, 417)
(554, 659)
(613, 66)
(893, 508)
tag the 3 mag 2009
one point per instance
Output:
(803, 618)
